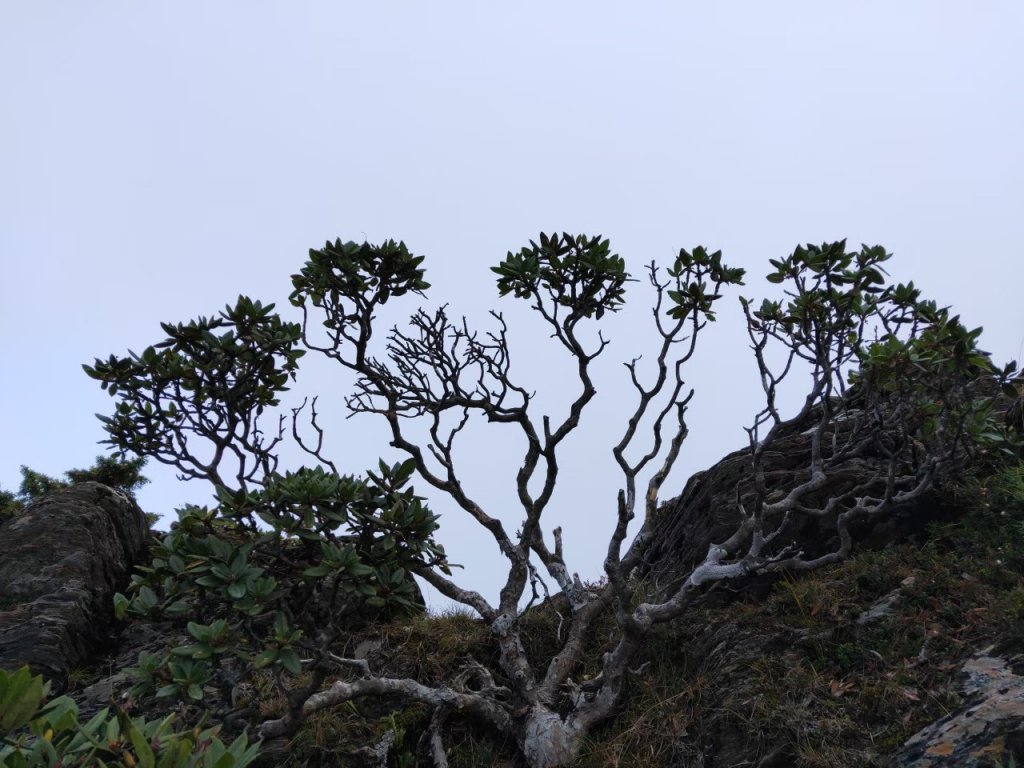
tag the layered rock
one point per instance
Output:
(61, 561)
(989, 724)
(707, 512)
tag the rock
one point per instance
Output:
(706, 512)
(112, 683)
(63, 559)
(718, 739)
(882, 607)
(989, 727)
(885, 605)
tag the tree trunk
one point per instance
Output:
(548, 741)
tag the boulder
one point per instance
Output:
(707, 512)
(987, 729)
(61, 561)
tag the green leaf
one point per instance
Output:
(121, 604)
(236, 590)
(178, 608)
(290, 661)
(175, 755)
(148, 597)
(316, 571)
(188, 651)
(266, 658)
(20, 695)
(142, 749)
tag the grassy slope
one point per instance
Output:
(781, 668)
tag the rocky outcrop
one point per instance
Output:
(982, 731)
(706, 512)
(772, 677)
(61, 561)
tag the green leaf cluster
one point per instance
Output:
(831, 291)
(283, 559)
(909, 360)
(36, 731)
(332, 549)
(121, 474)
(699, 277)
(382, 271)
(935, 373)
(209, 378)
(577, 272)
(349, 279)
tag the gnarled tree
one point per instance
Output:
(893, 390)
(286, 561)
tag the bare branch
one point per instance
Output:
(316, 450)
(470, 704)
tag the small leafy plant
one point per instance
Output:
(35, 732)
(285, 561)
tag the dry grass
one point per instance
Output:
(792, 675)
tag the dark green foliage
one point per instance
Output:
(579, 273)
(35, 485)
(286, 564)
(693, 272)
(124, 475)
(208, 382)
(833, 293)
(365, 273)
(889, 349)
(119, 473)
(888, 330)
(285, 561)
(10, 505)
(348, 281)
(37, 731)
(338, 550)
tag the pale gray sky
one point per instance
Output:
(158, 159)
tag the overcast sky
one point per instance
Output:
(156, 160)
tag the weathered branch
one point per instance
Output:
(470, 704)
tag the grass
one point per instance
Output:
(793, 676)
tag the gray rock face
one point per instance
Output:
(706, 512)
(988, 728)
(61, 562)
(884, 606)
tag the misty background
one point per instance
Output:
(157, 160)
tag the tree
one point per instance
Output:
(894, 390)
(338, 548)
(122, 475)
